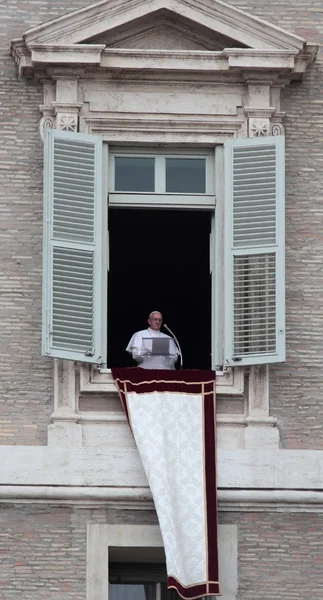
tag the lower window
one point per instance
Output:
(140, 581)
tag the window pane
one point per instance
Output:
(134, 174)
(185, 175)
(132, 591)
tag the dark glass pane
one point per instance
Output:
(134, 174)
(132, 591)
(185, 175)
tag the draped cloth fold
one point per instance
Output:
(172, 417)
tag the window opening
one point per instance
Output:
(140, 581)
(159, 260)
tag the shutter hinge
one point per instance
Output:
(89, 353)
(236, 358)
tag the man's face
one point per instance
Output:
(155, 321)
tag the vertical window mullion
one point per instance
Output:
(160, 174)
(210, 175)
(112, 173)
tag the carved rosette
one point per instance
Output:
(264, 121)
(54, 118)
(259, 127)
(67, 122)
(259, 120)
(67, 116)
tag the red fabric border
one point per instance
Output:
(194, 591)
(189, 381)
(144, 381)
(211, 489)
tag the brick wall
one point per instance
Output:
(26, 378)
(43, 552)
(43, 549)
(279, 555)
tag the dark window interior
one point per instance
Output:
(159, 260)
(137, 581)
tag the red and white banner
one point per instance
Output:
(173, 419)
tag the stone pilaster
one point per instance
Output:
(60, 107)
(64, 430)
(264, 118)
(66, 105)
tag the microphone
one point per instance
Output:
(177, 343)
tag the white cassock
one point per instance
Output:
(140, 349)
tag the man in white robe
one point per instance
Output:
(140, 346)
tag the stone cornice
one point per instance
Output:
(226, 60)
(22, 57)
(66, 54)
(123, 498)
(262, 112)
(271, 469)
(65, 106)
(288, 63)
(250, 58)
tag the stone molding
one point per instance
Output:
(71, 427)
(135, 128)
(271, 471)
(230, 382)
(275, 62)
(141, 499)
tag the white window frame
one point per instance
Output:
(159, 198)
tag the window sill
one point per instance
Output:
(228, 383)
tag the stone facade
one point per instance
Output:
(270, 424)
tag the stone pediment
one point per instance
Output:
(118, 34)
(164, 31)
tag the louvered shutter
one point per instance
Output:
(254, 293)
(75, 230)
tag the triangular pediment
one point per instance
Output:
(164, 30)
(230, 38)
(219, 18)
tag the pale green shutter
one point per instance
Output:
(254, 256)
(75, 255)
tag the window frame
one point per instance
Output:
(159, 197)
(101, 537)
